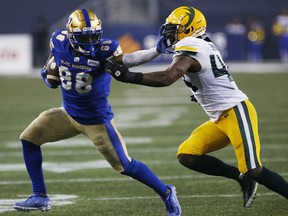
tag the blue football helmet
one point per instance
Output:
(84, 31)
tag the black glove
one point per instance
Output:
(121, 72)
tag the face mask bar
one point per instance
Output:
(170, 34)
(87, 41)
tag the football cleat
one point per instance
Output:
(249, 189)
(173, 207)
(35, 202)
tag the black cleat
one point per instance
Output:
(249, 189)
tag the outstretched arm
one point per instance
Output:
(179, 66)
(143, 56)
(137, 58)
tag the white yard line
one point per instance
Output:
(64, 167)
(196, 179)
(179, 196)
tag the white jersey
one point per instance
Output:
(212, 86)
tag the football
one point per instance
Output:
(53, 76)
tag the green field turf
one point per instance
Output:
(154, 121)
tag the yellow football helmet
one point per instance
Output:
(84, 31)
(184, 21)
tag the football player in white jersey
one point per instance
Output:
(233, 118)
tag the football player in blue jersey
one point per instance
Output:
(233, 118)
(80, 53)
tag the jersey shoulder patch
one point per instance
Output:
(110, 48)
(59, 41)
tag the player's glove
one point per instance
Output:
(161, 47)
(121, 72)
(43, 74)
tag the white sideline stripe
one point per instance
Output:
(179, 196)
(64, 167)
(89, 152)
(144, 150)
(195, 178)
(60, 167)
(138, 150)
(83, 142)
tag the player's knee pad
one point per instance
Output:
(133, 169)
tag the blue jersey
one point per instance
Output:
(85, 85)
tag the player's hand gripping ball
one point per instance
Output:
(53, 76)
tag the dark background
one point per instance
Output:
(20, 16)
(41, 17)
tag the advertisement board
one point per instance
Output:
(15, 54)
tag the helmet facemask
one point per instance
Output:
(171, 33)
(85, 42)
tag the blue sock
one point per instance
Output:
(33, 161)
(142, 173)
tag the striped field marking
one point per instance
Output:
(60, 200)
(196, 179)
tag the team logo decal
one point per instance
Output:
(93, 63)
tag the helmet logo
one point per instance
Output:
(191, 15)
(86, 17)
